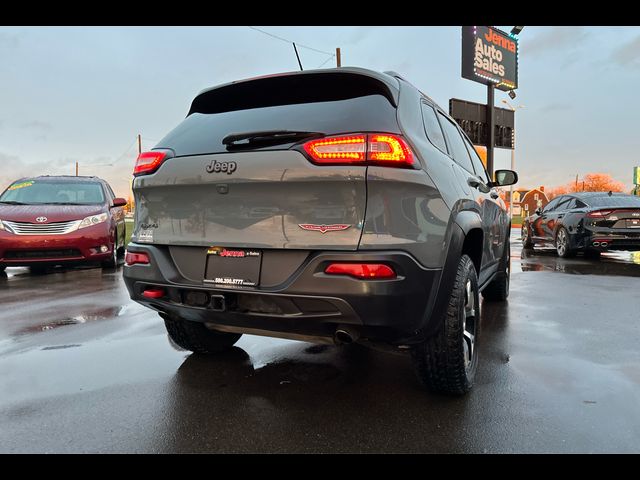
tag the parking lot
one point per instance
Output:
(83, 369)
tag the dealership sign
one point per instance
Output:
(490, 56)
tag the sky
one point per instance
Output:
(82, 94)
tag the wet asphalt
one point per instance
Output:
(84, 369)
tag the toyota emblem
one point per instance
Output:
(41, 219)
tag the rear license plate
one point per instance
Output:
(232, 266)
(633, 223)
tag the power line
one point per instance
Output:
(126, 151)
(291, 41)
(323, 63)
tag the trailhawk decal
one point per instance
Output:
(323, 228)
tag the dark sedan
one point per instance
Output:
(591, 222)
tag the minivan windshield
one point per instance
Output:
(52, 192)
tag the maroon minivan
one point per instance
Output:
(52, 220)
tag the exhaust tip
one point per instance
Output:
(604, 244)
(345, 335)
(596, 244)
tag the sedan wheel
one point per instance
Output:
(562, 243)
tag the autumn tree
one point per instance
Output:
(557, 191)
(591, 182)
(599, 182)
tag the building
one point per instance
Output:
(525, 202)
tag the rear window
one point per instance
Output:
(326, 103)
(613, 201)
(37, 191)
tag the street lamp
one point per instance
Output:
(513, 152)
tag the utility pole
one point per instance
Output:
(139, 144)
(76, 169)
(491, 133)
(338, 58)
(576, 182)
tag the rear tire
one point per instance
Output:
(527, 242)
(196, 337)
(563, 243)
(498, 289)
(447, 362)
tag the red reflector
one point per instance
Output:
(377, 148)
(361, 270)
(149, 162)
(599, 213)
(131, 258)
(153, 293)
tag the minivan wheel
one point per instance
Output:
(563, 245)
(447, 362)
(196, 337)
(112, 262)
(498, 289)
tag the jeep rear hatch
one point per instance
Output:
(237, 173)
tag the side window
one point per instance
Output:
(552, 204)
(571, 205)
(432, 127)
(580, 204)
(478, 166)
(456, 145)
(562, 206)
(110, 195)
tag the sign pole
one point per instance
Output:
(491, 131)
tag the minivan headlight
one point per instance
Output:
(93, 220)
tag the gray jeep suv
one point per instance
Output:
(335, 205)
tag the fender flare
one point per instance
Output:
(461, 225)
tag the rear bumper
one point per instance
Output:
(308, 302)
(79, 246)
(628, 239)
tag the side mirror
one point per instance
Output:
(505, 177)
(538, 211)
(119, 202)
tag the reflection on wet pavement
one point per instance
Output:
(545, 259)
(559, 372)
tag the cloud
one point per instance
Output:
(554, 107)
(553, 38)
(628, 55)
(37, 125)
(9, 40)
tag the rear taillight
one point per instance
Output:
(349, 149)
(361, 270)
(373, 148)
(132, 258)
(149, 162)
(599, 213)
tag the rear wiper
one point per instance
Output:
(266, 136)
(12, 202)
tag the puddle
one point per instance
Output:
(89, 316)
